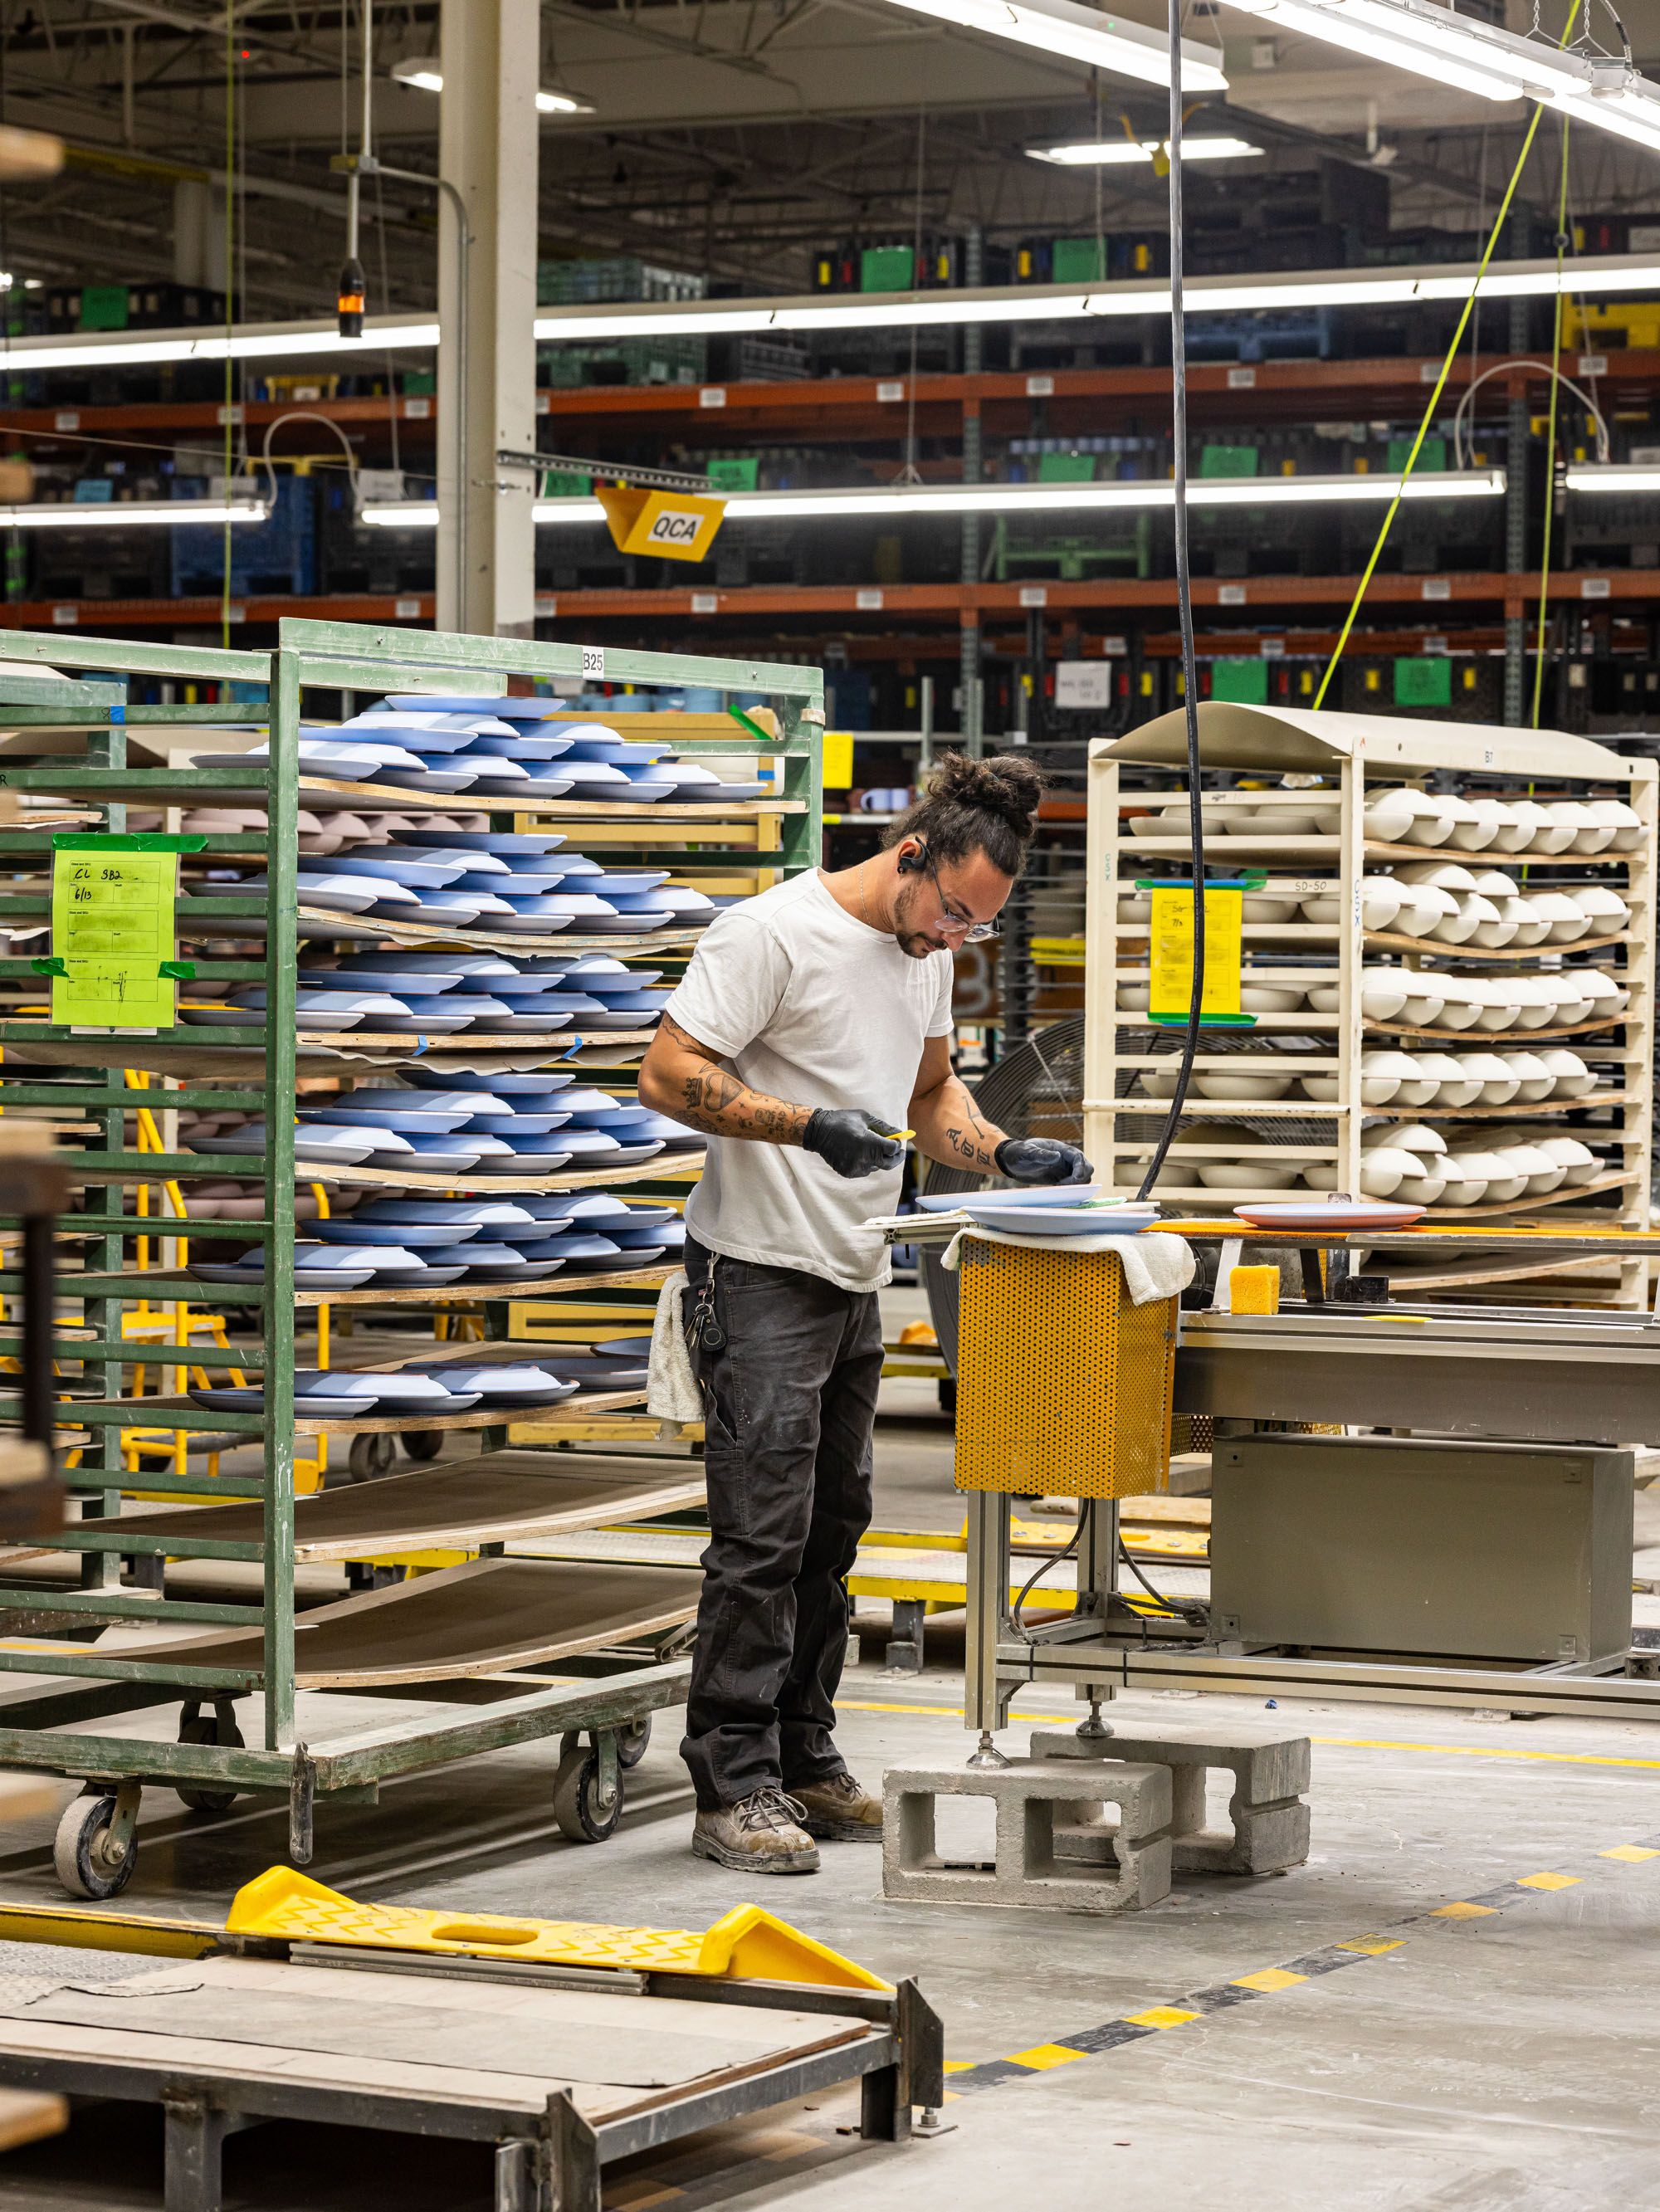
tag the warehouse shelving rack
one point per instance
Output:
(1348, 753)
(604, 1683)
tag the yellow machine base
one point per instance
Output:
(747, 1945)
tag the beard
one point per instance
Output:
(916, 944)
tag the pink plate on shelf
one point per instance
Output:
(1311, 1215)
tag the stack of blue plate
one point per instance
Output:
(338, 1267)
(343, 1393)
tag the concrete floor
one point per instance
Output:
(1502, 2061)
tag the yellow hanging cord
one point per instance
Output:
(1440, 383)
(1550, 438)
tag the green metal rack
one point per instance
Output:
(606, 1689)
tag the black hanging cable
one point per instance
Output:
(1184, 605)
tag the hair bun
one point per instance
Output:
(1007, 784)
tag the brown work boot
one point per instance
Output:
(758, 1835)
(838, 1810)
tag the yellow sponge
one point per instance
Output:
(1253, 1290)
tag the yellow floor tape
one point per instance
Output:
(747, 1945)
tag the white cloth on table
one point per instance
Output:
(1156, 1264)
(671, 1391)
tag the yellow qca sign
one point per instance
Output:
(678, 525)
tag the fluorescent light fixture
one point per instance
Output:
(1109, 152)
(1607, 276)
(130, 514)
(1063, 29)
(422, 74)
(1614, 476)
(1015, 499)
(1462, 51)
(249, 342)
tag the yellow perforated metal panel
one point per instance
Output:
(1063, 1387)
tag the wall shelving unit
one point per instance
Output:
(1245, 752)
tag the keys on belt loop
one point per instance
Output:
(704, 1332)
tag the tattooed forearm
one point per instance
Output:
(681, 1077)
(950, 1130)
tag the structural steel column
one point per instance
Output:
(491, 53)
(1516, 523)
(969, 720)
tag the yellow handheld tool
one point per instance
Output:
(901, 1134)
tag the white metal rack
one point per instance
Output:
(1354, 755)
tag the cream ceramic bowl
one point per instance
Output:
(1570, 1077)
(1452, 812)
(1388, 815)
(1466, 1183)
(1259, 907)
(1474, 827)
(1425, 997)
(1548, 835)
(1607, 994)
(1282, 822)
(1589, 835)
(1531, 927)
(1536, 1001)
(1624, 821)
(1469, 913)
(1498, 1082)
(1381, 900)
(1382, 994)
(1269, 997)
(1381, 1172)
(1218, 1083)
(1136, 911)
(1510, 832)
(1328, 999)
(1424, 1185)
(1570, 1004)
(1579, 1164)
(1565, 920)
(1424, 907)
(1324, 1087)
(1454, 1085)
(1606, 910)
(1499, 928)
(1403, 1071)
(1544, 1174)
(1412, 1137)
(1497, 1000)
(1533, 1079)
(1159, 1082)
(1459, 1004)
(1133, 998)
(1242, 1175)
(1446, 875)
(1323, 907)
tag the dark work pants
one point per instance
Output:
(789, 1407)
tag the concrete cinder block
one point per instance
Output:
(1269, 1816)
(1028, 1869)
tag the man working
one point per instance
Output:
(812, 1025)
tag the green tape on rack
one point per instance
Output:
(52, 966)
(750, 725)
(142, 841)
(180, 970)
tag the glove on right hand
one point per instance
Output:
(851, 1141)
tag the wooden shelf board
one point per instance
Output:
(1395, 941)
(466, 1503)
(481, 1619)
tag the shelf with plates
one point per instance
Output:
(1474, 1037)
(187, 1333)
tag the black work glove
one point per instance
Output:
(851, 1141)
(1041, 1159)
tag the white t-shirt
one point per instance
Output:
(815, 1007)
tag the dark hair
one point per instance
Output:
(988, 806)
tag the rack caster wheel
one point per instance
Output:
(370, 1456)
(196, 1726)
(96, 1848)
(631, 1742)
(422, 1444)
(576, 1801)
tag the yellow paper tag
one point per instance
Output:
(112, 927)
(1170, 990)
